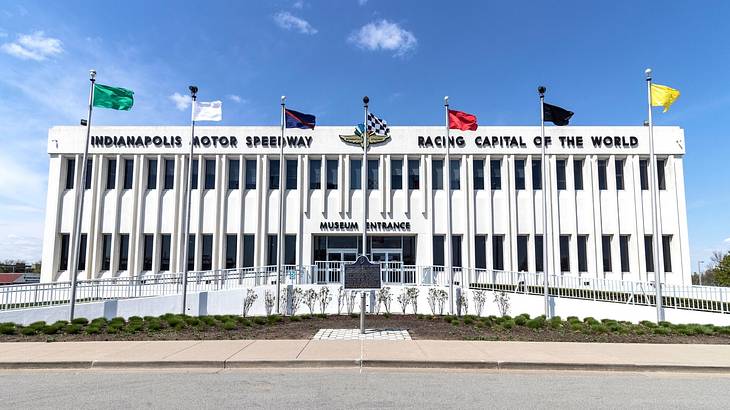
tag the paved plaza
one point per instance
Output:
(354, 334)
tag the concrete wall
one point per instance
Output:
(231, 302)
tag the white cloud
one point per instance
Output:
(384, 35)
(34, 46)
(299, 4)
(237, 99)
(181, 101)
(362, 2)
(288, 21)
(727, 240)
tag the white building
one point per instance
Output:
(599, 201)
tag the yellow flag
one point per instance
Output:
(663, 96)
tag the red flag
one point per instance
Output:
(459, 120)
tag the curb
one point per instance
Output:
(356, 363)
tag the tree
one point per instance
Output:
(721, 270)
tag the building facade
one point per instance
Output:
(599, 210)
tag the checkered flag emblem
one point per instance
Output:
(377, 126)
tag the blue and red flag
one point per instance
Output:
(296, 119)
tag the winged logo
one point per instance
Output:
(357, 139)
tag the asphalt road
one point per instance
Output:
(381, 388)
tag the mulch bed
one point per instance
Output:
(420, 328)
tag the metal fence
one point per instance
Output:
(705, 298)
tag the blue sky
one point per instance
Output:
(488, 57)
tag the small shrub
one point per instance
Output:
(525, 315)
(572, 319)
(135, 319)
(599, 328)
(118, 319)
(555, 322)
(534, 323)
(647, 323)
(193, 321)
(520, 320)
(134, 327)
(468, 320)
(92, 330)
(274, 319)
(154, 325)
(229, 325)
(246, 323)
(706, 330)
(52, 329)
(487, 321)
(387, 315)
(321, 315)
(259, 320)
(150, 318)
(28, 331)
(114, 327)
(37, 326)
(455, 322)
(99, 322)
(295, 319)
(638, 330)
(664, 323)
(576, 326)
(80, 321)
(175, 322)
(72, 329)
(448, 318)
(508, 324)
(590, 321)
(7, 329)
(661, 330)
(614, 327)
(209, 320)
(419, 316)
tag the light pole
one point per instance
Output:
(699, 271)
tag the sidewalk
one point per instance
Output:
(352, 353)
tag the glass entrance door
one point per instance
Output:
(390, 264)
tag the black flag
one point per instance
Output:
(556, 115)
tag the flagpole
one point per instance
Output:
(656, 236)
(280, 241)
(189, 193)
(364, 180)
(80, 189)
(449, 245)
(545, 189)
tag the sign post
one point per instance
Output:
(362, 274)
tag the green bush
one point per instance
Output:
(590, 321)
(37, 326)
(508, 324)
(209, 320)
(506, 317)
(193, 321)
(468, 320)
(99, 322)
(525, 315)
(647, 323)
(614, 326)
(664, 323)
(80, 321)
(52, 329)
(487, 321)
(135, 319)
(92, 330)
(247, 322)
(598, 328)
(114, 327)
(150, 318)
(273, 319)
(520, 320)
(28, 331)
(262, 321)
(295, 319)
(455, 322)
(419, 316)
(555, 322)
(576, 326)
(706, 330)
(176, 322)
(537, 323)
(661, 330)
(72, 329)
(639, 330)
(448, 318)
(154, 325)
(7, 329)
(229, 325)
(572, 319)
(324, 315)
(134, 326)
(118, 319)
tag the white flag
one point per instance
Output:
(207, 111)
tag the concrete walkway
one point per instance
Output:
(352, 353)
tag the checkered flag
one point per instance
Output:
(377, 126)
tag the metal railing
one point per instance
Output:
(704, 298)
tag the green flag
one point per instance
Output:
(116, 98)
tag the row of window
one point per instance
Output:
(396, 174)
(206, 252)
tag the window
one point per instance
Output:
(234, 167)
(602, 177)
(147, 252)
(565, 253)
(273, 174)
(480, 256)
(169, 173)
(128, 173)
(519, 174)
(644, 174)
(106, 251)
(291, 173)
(89, 173)
(414, 171)
(606, 251)
(660, 163)
(536, 174)
(111, 174)
(207, 259)
(332, 165)
(165, 252)
(456, 251)
(396, 174)
(619, 174)
(315, 174)
(123, 251)
(373, 169)
(191, 252)
(437, 174)
(582, 253)
(194, 175)
(355, 174)
(455, 170)
(82, 253)
(231, 250)
(209, 174)
(560, 174)
(522, 253)
(70, 171)
(63, 262)
(290, 249)
(498, 252)
(649, 253)
(248, 242)
(250, 174)
(578, 174)
(667, 252)
(478, 174)
(539, 259)
(438, 250)
(624, 251)
(151, 173)
(271, 254)
(495, 168)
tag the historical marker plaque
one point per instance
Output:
(362, 274)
